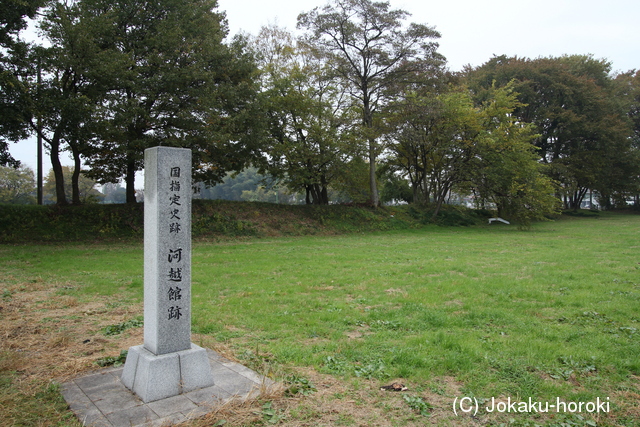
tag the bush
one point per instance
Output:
(450, 215)
(218, 219)
(20, 223)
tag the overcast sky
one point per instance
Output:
(474, 30)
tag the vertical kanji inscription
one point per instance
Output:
(168, 264)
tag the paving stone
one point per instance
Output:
(246, 372)
(94, 418)
(167, 421)
(95, 381)
(136, 416)
(75, 397)
(100, 399)
(171, 405)
(116, 399)
(216, 357)
(210, 396)
(235, 384)
(117, 372)
(200, 412)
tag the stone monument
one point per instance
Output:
(167, 364)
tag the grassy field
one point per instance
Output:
(486, 312)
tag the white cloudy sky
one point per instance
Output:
(475, 30)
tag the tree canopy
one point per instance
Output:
(360, 98)
(123, 76)
(15, 108)
(169, 80)
(371, 51)
(582, 128)
(309, 134)
(17, 185)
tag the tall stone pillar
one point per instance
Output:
(167, 364)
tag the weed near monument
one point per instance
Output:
(483, 311)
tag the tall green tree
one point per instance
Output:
(113, 193)
(626, 179)
(505, 170)
(434, 142)
(628, 85)
(168, 78)
(370, 50)
(445, 144)
(234, 184)
(15, 108)
(14, 18)
(65, 97)
(309, 134)
(571, 101)
(87, 187)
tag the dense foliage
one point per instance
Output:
(215, 219)
(15, 110)
(361, 100)
(582, 118)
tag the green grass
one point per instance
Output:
(550, 312)
(80, 268)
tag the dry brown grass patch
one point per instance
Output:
(55, 337)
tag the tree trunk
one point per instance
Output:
(324, 193)
(415, 191)
(367, 121)
(439, 202)
(317, 194)
(314, 194)
(373, 185)
(576, 198)
(75, 178)
(54, 145)
(130, 180)
(426, 193)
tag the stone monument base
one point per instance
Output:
(154, 377)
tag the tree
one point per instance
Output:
(626, 177)
(167, 78)
(235, 184)
(13, 17)
(309, 134)
(445, 144)
(628, 85)
(571, 101)
(395, 188)
(17, 185)
(114, 193)
(434, 142)
(15, 108)
(271, 194)
(370, 50)
(505, 170)
(65, 98)
(88, 193)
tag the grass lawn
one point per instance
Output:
(490, 313)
